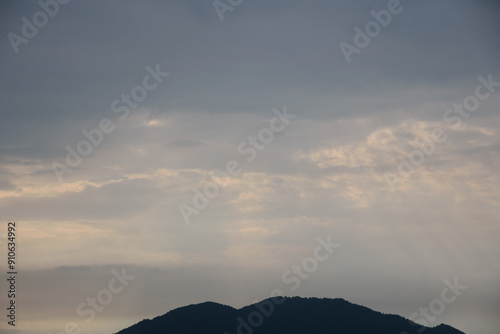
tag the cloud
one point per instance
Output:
(325, 174)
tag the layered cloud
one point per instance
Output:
(324, 174)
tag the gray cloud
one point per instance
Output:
(324, 174)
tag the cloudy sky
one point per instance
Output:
(388, 142)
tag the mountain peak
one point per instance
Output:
(290, 315)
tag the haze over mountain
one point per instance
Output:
(282, 315)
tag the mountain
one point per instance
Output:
(282, 315)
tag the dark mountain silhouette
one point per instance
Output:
(282, 316)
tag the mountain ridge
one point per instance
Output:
(276, 315)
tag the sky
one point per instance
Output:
(156, 154)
